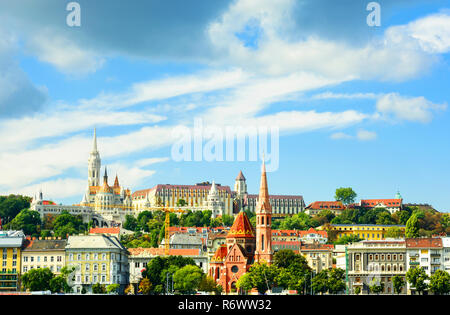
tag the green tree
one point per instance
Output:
(207, 284)
(145, 286)
(293, 270)
(263, 276)
(113, 288)
(416, 277)
(401, 217)
(412, 227)
(157, 269)
(187, 279)
(398, 282)
(347, 239)
(440, 282)
(320, 282)
(11, 205)
(376, 286)
(336, 280)
(181, 203)
(27, 220)
(245, 283)
(345, 195)
(130, 223)
(67, 224)
(37, 279)
(357, 290)
(98, 288)
(394, 232)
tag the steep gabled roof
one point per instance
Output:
(241, 227)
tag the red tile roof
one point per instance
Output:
(220, 254)
(307, 247)
(313, 231)
(424, 242)
(326, 205)
(368, 203)
(112, 230)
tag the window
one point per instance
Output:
(234, 269)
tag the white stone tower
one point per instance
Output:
(214, 202)
(240, 185)
(94, 164)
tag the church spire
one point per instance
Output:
(263, 200)
(94, 145)
(116, 181)
(263, 252)
(105, 177)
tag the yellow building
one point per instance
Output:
(363, 231)
(10, 250)
(97, 259)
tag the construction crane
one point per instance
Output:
(167, 212)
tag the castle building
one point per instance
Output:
(198, 197)
(221, 199)
(244, 245)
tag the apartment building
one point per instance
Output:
(44, 253)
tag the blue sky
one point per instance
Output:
(358, 106)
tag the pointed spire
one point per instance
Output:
(240, 176)
(105, 177)
(94, 146)
(213, 187)
(116, 181)
(263, 199)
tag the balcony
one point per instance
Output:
(414, 263)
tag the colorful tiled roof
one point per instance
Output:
(220, 254)
(241, 227)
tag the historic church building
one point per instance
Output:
(244, 244)
(103, 197)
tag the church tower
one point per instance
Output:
(94, 164)
(240, 186)
(263, 222)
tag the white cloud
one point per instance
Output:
(365, 135)
(404, 50)
(63, 53)
(331, 95)
(168, 88)
(150, 161)
(431, 33)
(54, 189)
(18, 133)
(417, 109)
(340, 135)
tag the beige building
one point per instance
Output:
(376, 262)
(318, 256)
(97, 259)
(44, 253)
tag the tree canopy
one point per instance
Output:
(345, 195)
